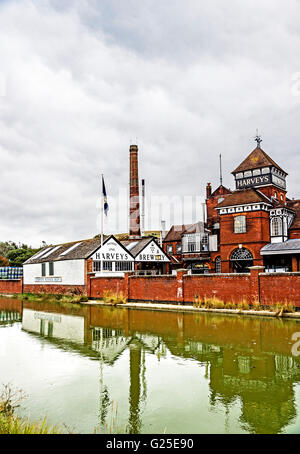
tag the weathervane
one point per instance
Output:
(258, 139)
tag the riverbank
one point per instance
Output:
(164, 307)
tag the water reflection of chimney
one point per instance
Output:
(135, 388)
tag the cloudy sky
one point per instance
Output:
(80, 80)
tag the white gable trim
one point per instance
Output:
(152, 252)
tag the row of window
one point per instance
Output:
(50, 269)
(253, 173)
(112, 266)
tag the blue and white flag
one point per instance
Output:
(105, 204)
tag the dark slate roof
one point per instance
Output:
(243, 197)
(136, 246)
(288, 247)
(82, 251)
(256, 160)
(295, 206)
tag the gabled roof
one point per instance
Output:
(135, 247)
(53, 253)
(256, 160)
(243, 197)
(221, 190)
(139, 245)
(176, 231)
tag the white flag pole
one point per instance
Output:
(102, 223)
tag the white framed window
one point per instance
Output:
(276, 227)
(218, 265)
(123, 266)
(107, 266)
(240, 224)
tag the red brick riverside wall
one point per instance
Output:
(253, 287)
(279, 288)
(153, 288)
(56, 289)
(10, 287)
(100, 285)
(227, 287)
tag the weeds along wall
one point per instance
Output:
(254, 287)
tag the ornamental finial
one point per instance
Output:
(258, 139)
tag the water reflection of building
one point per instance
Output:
(60, 326)
(10, 311)
(246, 360)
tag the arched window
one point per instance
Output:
(240, 261)
(218, 265)
(240, 224)
(276, 227)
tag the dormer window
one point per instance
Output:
(239, 176)
(265, 170)
(248, 174)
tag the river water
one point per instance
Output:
(91, 368)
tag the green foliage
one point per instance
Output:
(18, 256)
(114, 298)
(10, 400)
(14, 254)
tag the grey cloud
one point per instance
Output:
(189, 79)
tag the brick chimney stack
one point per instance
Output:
(134, 200)
(208, 190)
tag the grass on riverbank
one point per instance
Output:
(114, 298)
(10, 424)
(215, 303)
(49, 298)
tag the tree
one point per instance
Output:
(18, 256)
(6, 247)
(3, 261)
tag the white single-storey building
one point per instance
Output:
(68, 264)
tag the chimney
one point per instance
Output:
(208, 190)
(143, 209)
(134, 201)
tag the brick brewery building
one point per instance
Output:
(256, 224)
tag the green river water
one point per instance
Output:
(90, 368)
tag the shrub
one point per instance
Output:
(112, 298)
(243, 306)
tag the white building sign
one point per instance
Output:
(48, 279)
(112, 252)
(152, 253)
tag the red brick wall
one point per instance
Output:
(10, 287)
(153, 288)
(268, 288)
(231, 287)
(56, 289)
(99, 285)
(257, 236)
(279, 288)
